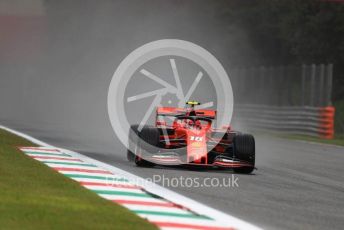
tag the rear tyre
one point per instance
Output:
(147, 144)
(244, 149)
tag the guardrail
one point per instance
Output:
(314, 121)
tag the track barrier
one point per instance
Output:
(306, 120)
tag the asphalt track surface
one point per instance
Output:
(57, 61)
(297, 185)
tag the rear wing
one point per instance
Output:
(172, 111)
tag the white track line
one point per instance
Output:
(222, 218)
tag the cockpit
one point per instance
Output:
(192, 122)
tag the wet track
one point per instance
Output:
(297, 185)
(54, 79)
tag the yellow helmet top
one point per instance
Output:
(193, 103)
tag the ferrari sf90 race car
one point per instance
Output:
(187, 136)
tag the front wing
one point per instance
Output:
(175, 159)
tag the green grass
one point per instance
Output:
(339, 117)
(338, 140)
(32, 196)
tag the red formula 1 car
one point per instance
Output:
(187, 137)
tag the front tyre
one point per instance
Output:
(146, 145)
(244, 150)
(132, 140)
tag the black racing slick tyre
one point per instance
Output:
(132, 141)
(244, 149)
(147, 144)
